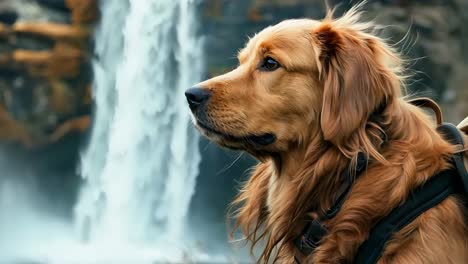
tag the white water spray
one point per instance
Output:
(142, 160)
(140, 166)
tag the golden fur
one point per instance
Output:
(337, 93)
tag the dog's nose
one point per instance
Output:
(197, 96)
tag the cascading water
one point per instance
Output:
(140, 166)
(142, 159)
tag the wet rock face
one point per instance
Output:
(45, 70)
(434, 48)
(45, 85)
(434, 45)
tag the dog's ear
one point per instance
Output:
(354, 79)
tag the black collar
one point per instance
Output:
(310, 237)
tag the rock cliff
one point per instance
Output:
(45, 70)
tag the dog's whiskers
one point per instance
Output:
(230, 165)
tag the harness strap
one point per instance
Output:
(428, 103)
(361, 165)
(310, 237)
(463, 126)
(434, 191)
(428, 195)
(453, 135)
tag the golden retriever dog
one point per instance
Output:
(305, 99)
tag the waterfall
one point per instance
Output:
(140, 166)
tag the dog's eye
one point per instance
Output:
(269, 64)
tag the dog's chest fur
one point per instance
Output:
(274, 191)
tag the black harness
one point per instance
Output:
(313, 233)
(424, 197)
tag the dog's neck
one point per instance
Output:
(316, 168)
(285, 191)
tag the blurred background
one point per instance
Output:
(92, 110)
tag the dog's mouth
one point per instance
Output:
(260, 140)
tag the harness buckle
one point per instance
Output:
(310, 239)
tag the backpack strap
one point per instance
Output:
(452, 134)
(426, 196)
(463, 126)
(428, 103)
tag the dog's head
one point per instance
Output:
(296, 80)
